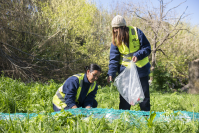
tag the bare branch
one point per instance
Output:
(26, 53)
(25, 32)
(163, 40)
(150, 14)
(180, 17)
(162, 52)
(173, 8)
(49, 38)
(178, 31)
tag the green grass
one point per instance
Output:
(19, 97)
(159, 101)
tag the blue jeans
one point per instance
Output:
(66, 108)
(145, 105)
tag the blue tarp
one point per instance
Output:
(112, 114)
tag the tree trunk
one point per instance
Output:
(153, 63)
(193, 71)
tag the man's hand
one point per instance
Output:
(109, 78)
(134, 59)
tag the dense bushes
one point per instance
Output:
(56, 39)
(51, 39)
(163, 80)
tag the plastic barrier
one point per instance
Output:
(112, 114)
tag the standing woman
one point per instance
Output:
(129, 43)
(78, 90)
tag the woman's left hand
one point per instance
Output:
(87, 107)
(134, 59)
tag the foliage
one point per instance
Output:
(150, 119)
(17, 96)
(179, 52)
(76, 35)
(174, 101)
(66, 122)
(163, 79)
(174, 42)
(110, 95)
(163, 29)
(53, 38)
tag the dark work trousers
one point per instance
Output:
(66, 108)
(145, 105)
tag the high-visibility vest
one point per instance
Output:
(58, 99)
(134, 45)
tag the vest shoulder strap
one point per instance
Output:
(133, 32)
(78, 75)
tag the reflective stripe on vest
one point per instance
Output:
(58, 98)
(134, 45)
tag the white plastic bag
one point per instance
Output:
(129, 86)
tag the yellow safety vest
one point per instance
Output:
(134, 45)
(58, 99)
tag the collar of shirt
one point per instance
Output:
(85, 80)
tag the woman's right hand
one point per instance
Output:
(109, 79)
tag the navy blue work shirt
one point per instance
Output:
(70, 88)
(144, 51)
